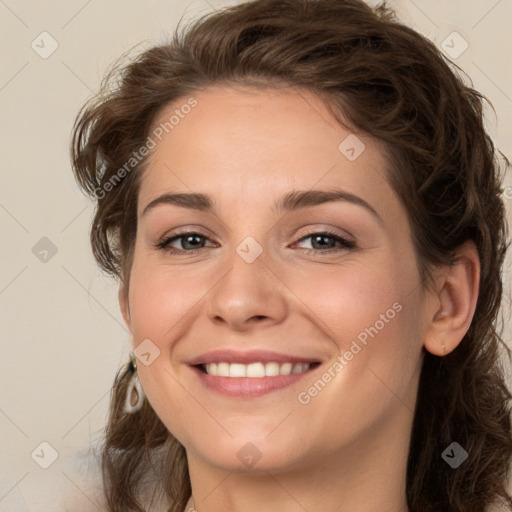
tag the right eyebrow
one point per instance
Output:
(200, 202)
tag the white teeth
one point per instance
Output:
(297, 368)
(237, 370)
(257, 370)
(222, 369)
(286, 368)
(272, 369)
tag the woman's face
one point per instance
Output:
(273, 273)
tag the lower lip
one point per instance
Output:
(248, 386)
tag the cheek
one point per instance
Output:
(371, 316)
(161, 306)
(368, 309)
(346, 300)
(160, 298)
(353, 301)
(372, 320)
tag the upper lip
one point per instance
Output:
(248, 356)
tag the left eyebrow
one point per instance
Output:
(298, 199)
(291, 201)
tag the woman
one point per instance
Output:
(303, 210)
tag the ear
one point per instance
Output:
(454, 301)
(124, 305)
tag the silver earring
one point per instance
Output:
(134, 392)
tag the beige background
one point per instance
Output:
(62, 337)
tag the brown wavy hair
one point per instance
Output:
(389, 82)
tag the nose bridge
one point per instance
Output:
(248, 291)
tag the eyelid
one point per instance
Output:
(170, 237)
(347, 242)
(327, 231)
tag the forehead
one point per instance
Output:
(252, 143)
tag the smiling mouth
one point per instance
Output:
(255, 370)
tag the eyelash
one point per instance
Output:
(347, 244)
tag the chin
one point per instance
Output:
(251, 455)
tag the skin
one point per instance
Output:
(346, 449)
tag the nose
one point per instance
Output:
(248, 295)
